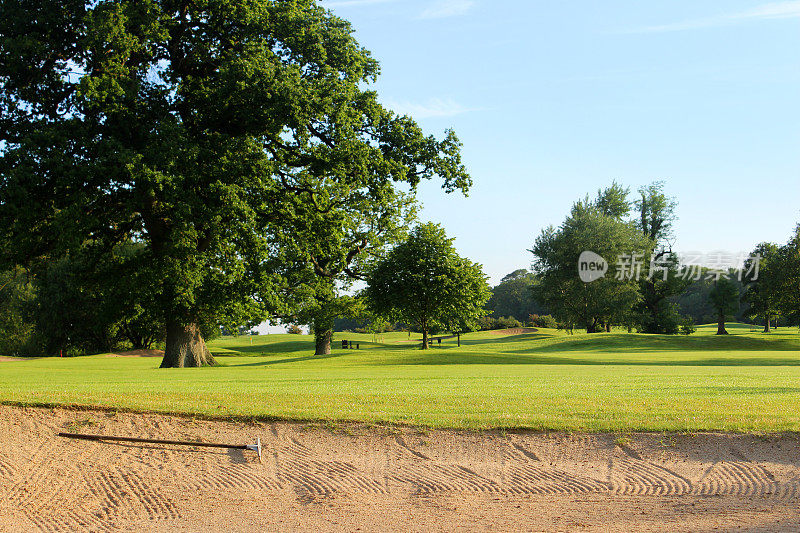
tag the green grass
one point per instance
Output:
(748, 381)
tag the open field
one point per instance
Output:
(747, 381)
(382, 478)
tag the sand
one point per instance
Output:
(370, 478)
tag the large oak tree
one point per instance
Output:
(204, 130)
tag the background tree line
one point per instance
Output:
(669, 301)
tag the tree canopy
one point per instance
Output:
(598, 304)
(423, 282)
(513, 296)
(208, 132)
(725, 299)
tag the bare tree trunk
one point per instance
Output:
(186, 347)
(424, 338)
(323, 334)
(767, 325)
(721, 325)
(608, 327)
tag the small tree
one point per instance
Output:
(321, 317)
(603, 302)
(763, 284)
(787, 262)
(725, 299)
(425, 283)
(513, 296)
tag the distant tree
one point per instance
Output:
(613, 201)
(656, 216)
(513, 296)
(694, 302)
(762, 284)
(542, 321)
(321, 316)
(294, 329)
(423, 282)
(73, 311)
(596, 305)
(91, 300)
(18, 335)
(725, 299)
(787, 263)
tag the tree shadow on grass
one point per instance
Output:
(275, 348)
(290, 360)
(636, 343)
(624, 343)
(532, 359)
(509, 339)
(290, 347)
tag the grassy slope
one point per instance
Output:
(544, 380)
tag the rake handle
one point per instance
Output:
(151, 441)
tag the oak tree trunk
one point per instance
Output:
(721, 325)
(186, 347)
(322, 340)
(323, 335)
(424, 339)
(767, 325)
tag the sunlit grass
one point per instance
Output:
(544, 380)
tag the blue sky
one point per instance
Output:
(554, 99)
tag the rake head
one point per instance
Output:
(256, 447)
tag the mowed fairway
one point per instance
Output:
(748, 381)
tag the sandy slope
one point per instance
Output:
(352, 477)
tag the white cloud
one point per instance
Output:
(775, 10)
(433, 108)
(447, 8)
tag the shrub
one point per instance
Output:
(294, 329)
(504, 322)
(687, 326)
(542, 321)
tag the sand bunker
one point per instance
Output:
(315, 478)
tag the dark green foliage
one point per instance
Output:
(90, 303)
(18, 335)
(73, 313)
(762, 287)
(694, 302)
(208, 132)
(423, 282)
(613, 201)
(503, 322)
(542, 321)
(656, 213)
(724, 296)
(787, 264)
(575, 303)
(513, 296)
(656, 216)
